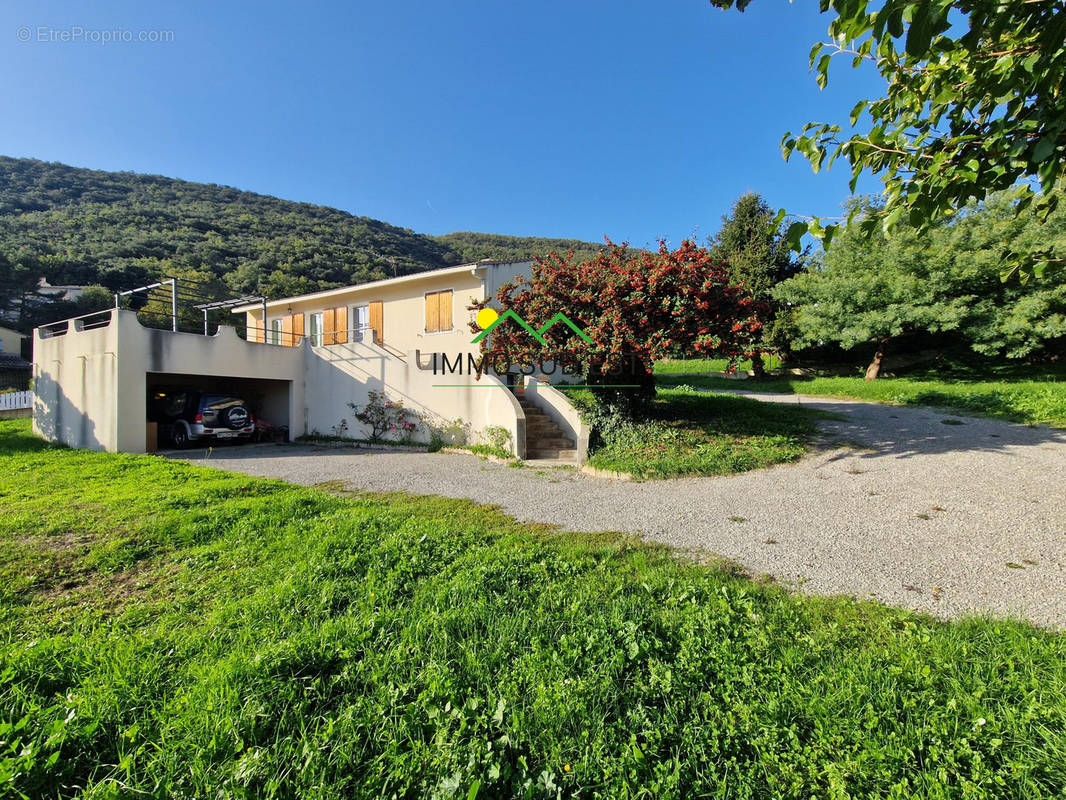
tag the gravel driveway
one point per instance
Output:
(920, 509)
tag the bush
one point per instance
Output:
(386, 417)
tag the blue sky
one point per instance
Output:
(577, 119)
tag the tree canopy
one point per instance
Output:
(943, 281)
(753, 245)
(974, 104)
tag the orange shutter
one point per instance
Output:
(255, 328)
(286, 331)
(445, 300)
(432, 312)
(329, 326)
(297, 329)
(340, 316)
(376, 322)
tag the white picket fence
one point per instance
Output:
(13, 401)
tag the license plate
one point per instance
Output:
(226, 435)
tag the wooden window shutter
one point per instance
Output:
(286, 331)
(255, 329)
(297, 329)
(376, 322)
(340, 317)
(432, 312)
(444, 323)
(329, 326)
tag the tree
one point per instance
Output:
(752, 243)
(943, 281)
(1011, 320)
(974, 104)
(628, 308)
(36, 310)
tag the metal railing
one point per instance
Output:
(258, 335)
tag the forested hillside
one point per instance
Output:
(473, 246)
(120, 229)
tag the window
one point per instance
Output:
(174, 404)
(360, 322)
(314, 328)
(439, 311)
(275, 331)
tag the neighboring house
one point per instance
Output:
(304, 366)
(45, 289)
(15, 371)
(11, 341)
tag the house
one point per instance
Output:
(425, 311)
(305, 363)
(15, 371)
(67, 292)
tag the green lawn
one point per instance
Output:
(683, 366)
(1038, 401)
(692, 433)
(167, 630)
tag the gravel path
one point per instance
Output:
(949, 518)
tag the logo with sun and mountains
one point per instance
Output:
(488, 319)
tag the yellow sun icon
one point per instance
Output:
(485, 317)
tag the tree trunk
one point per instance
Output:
(758, 369)
(874, 370)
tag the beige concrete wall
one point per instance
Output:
(76, 386)
(338, 375)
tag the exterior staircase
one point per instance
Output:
(546, 441)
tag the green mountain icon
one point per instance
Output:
(536, 334)
(561, 317)
(506, 315)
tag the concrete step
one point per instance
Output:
(568, 455)
(549, 442)
(540, 424)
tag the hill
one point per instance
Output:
(474, 246)
(121, 229)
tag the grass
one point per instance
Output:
(1036, 400)
(691, 433)
(485, 450)
(169, 630)
(695, 366)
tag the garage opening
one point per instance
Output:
(204, 410)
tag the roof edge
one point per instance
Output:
(430, 273)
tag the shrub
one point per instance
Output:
(386, 418)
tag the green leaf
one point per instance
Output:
(857, 110)
(895, 24)
(794, 235)
(474, 787)
(815, 51)
(1043, 149)
(920, 32)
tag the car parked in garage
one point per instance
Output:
(188, 415)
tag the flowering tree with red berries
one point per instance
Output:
(628, 308)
